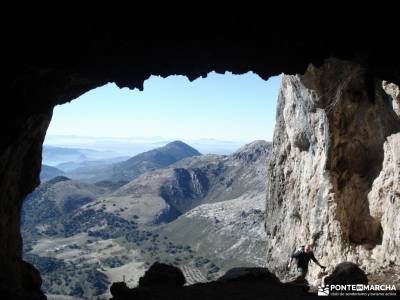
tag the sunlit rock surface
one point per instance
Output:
(334, 172)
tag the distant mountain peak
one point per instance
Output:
(58, 179)
(157, 158)
(183, 146)
(178, 143)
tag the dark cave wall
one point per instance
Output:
(50, 58)
(20, 163)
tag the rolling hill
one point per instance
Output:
(48, 172)
(129, 169)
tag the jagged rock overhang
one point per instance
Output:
(78, 51)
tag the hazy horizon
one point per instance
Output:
(134, 145)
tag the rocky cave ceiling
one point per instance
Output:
(56, 56)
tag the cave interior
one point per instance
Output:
(50, 58)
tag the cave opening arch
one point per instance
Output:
(44, 66)
(79, 206)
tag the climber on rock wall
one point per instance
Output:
(303, 255)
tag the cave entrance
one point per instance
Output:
(174, 174)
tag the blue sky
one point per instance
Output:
(221, 106)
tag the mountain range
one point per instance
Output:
(130, 146)
(131, 168)
(169, 204)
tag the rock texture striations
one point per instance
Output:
(334, 171)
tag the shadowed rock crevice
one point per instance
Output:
(187, 184)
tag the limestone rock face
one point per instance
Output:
(394, 91)
(334, 172)
(384, 201)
